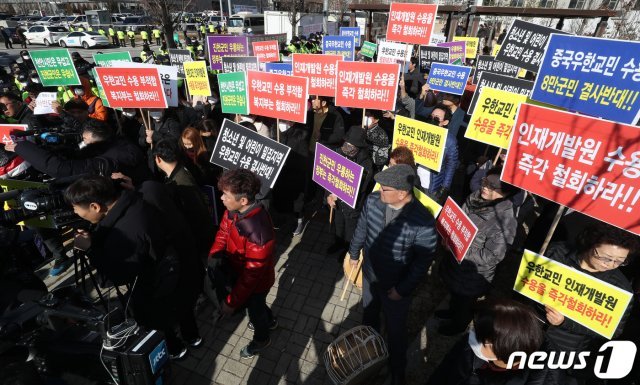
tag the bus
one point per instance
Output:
(241, 22)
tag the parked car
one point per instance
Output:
(84, 39)
(51, 20)
(47, 35)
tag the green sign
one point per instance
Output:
(368, 49)
(55, 67)
(101, 93)
(107, 59)
(233, 93)
(458, 62)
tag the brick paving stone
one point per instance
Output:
(283, 364)
(227, 378)
(327, 312)
(265, 364)
(196, 379)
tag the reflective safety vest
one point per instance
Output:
(144, 34)
(120, 35)
(71, 29)
(112, 32)
(131, 34)
(203, 29)
(101, 32)
(156, 33)
(162, 52)
(90, 29)
(80, 29)
(212, 28)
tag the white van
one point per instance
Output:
(241, 22)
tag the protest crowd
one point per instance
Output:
(481, 165)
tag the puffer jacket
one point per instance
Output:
(400, 253)
(496, 230)
(444, 178)
(248, 242)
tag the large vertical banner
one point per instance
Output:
(225, 45)
(367, 85)
(320, 70)
(587, 164)
(278, 96)
(55, 67)
(411, 23)
(337, 174)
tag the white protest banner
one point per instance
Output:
(43, 103)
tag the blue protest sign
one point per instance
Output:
(351, 31)
(339, 45)
(279, 68)
(448, 78)
(594, 76)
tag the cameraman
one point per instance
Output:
(14, 109)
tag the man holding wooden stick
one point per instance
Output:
(398, 237)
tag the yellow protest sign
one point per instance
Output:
(197, 78)
(522, 73)
(593, 303)
(426, 141)
(431, 205)
(493, 118)
(472, 45)
(496, 48)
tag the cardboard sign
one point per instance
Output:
(367, 85)
(266, 51)
(587, 164)
(7, 129)
(132, 87)
(177, 57)
(492, 120)
(598, 77)
(456, 228)
(43, 103)
(411, 23)
(339, 45)
(278, 96)
(425, 140)
(499, 82)
(197, 78)
(233, 93)
(109, 59)
(487, 63)
(471, 45)
(524, 45)
(430, 55)
(240, 147)
(448, 78)
(351, 31)
(225, 45)
(320, 70)
(369, 49)
(337, 174)
(390, 52)
(279, 68)
(457, 50)
(240, 63)
(592, 303)
(55, 67)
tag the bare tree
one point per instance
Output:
(626, 26)
(169, 13)
(340, 8)
(295, 9)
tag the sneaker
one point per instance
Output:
(301, 227)
(253, 348)
(273, 325)
(179, 355)
(195, 343)
(60, 266)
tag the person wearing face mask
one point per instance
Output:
(377, 138)
(501, 327)
(491, 210)
(413, 78)
(96, 110)
(197, 158)
(326, 125)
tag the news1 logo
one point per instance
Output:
(614, 360)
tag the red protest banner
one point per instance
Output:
(132, 87)
(6, 129)
(587, 164)
(367, 85)
(278, 96)
(266, 51)
(456, 228)
(411, 23)
(320, 70)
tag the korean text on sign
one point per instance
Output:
(457, 50)
(390, 52)
(587, 164)
(598, 77)
(471, 45)
(240, 63)
(339, 45)
(589, 301)
(493, 118)
(279, 68)
(112, 58)
(220, 46)
(132, 87)
(197, 78)
(456, 228)
(266, 51)
(487, 63)
(7, 129)
(321, 71)
(337, 174)
(278, 96)
(55, 67)
(177, 57)
(499, 82)
(367, 85)
(426, 141)
(448, 78)
(369, 49)
(411, 23)
(430, 55)
(351, 31)
(233, 93)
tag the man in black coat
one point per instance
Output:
(325, 124)
(12, 107)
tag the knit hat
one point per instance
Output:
(400, 177)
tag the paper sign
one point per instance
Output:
(369, 49)
(598, 77)
(487, 63)
(337, 174)
(438, 38)
(225, 45)
(177, 57)
(197, 78)
(132, 87)
(319, 69)
(456, 228)
(240, 147)
(592, 303)
(367, 85)
(471, 45)
(266, 51)
(112, 58)
(587, 164)
(390, 52)
(426, 141)
(278, 96)
(55, 67)
(43, 103)
(499, 82)
(351, 31)
(339, 45)
(430, 55)
(411, 23)
(457, 50)
(492, 120)
(448, 78)
(239, 63)
(495, 50)
(6, 129)
(279, 68)
(233, 93)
